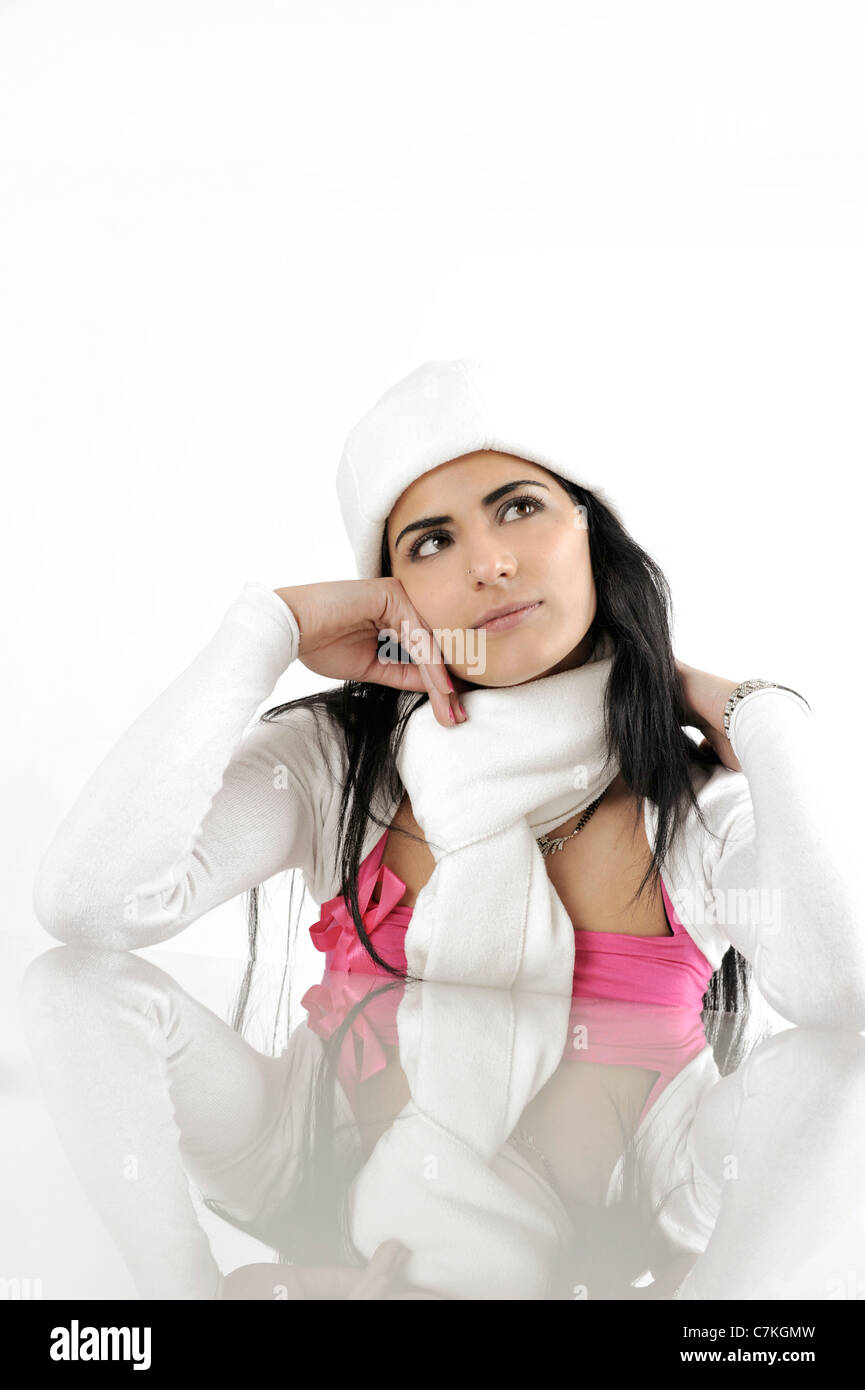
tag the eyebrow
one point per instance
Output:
(485, 502)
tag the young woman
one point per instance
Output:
(561, 832)
(517, 805)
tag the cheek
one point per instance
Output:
(429, 597)
(564, 571)
(566, 549)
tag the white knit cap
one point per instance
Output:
(439, 412)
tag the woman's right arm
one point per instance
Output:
(185, 813)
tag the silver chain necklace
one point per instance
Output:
(523, 1137)
(549, 846)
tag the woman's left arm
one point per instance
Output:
(782, 881)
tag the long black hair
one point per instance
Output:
(645, 715)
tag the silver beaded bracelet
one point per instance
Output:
(745, 689)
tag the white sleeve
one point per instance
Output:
(783, 880)
(185, 812)
(781, 1223)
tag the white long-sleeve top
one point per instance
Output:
(191, 807)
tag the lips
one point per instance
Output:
(505, 610)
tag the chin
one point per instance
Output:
(504, 673)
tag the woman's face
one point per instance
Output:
(485, 531)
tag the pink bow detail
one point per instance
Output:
(335, 928)
(361, 1036)
(327, 1005)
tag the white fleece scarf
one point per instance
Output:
(443, 1179)
(527, 759)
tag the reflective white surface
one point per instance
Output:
(484, 1130)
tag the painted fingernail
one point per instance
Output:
(448, 679)
(396, 1255)
(451, 716)
(462, 710)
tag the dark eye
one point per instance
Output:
(534, 502)
(414, 550)
(523, 501)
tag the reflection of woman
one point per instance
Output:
(310, 1150)
(613, 1117)
(459, 501)
(135, 1071)
(612, 1196)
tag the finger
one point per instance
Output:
(429, 662)
(380, 1273)
(406, 675)
(444, 704)
(411, 675)
(403, 675)
(422, 647)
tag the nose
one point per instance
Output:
(491, 564)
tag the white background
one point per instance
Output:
(227, 228)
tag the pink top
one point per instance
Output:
(669, 970)
(609, 1032)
